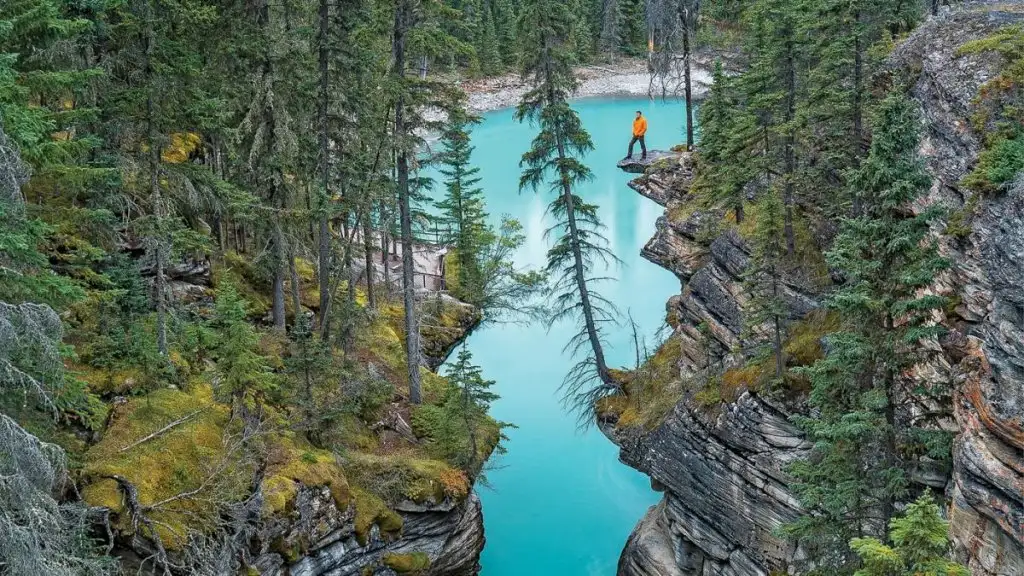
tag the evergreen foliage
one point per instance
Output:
(243, 372)
(462, 208)
(856, 473)
(920, 541)
(38, 534)
(554, 159)
(765, 277)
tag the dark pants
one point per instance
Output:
(643, 146)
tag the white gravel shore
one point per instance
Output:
(627, 79)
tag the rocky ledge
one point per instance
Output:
(443, 540)
(640, 164)
(720, 462)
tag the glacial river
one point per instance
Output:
(560, 503)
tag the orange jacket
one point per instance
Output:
(640, 126)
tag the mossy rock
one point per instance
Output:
(409, 476)
(372, 511)
(294, 464)
(412, 563)
(173, 462)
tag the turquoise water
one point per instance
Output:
(561, 504)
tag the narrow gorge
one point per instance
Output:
(720, 454)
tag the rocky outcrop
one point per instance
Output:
(987, 363)
(322, 541)
(639, 164)
(722, 469)
(725, 491)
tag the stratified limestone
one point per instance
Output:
(722, 469)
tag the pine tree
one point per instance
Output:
(470, 400)
(505, 17)
(414, 30)
(854, 475)
(38, 535)
(270, 140)
(487, 44)
(841, 33)
(674, 28)
(920, 540)
(771, 86)
(554, 160)
(462, 208)
(765, 276)
(243, 372)
(156, 66)
(727, 150)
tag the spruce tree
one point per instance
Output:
(766, 274)
(920, 542)
(469, 401)
(462, 208)
(727, 152)
(554, 160)
(854, 476)
(243, 372)
(674, 28)
(487, 44)
(415, 30)
(38, 535)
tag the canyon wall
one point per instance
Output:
(721, 464)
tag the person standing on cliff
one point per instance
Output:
(639, 129)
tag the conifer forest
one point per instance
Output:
(248, 249)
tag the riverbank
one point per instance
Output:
(627, 78)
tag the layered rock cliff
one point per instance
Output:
(718, 448)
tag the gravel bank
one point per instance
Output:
(626, 78)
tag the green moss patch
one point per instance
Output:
(294, 463)
(372, 511)
(408, 476)
(413, 563)
(188, 457)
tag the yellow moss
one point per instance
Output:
(451, 271)
(173, 462)
(652, 390)
(407, 563)
(104, 493)
(180, 147)
(407, 475)
(748, 377)
(296, 463)
(370, 511)
(106, 382)
(250, 285)
(435, 387)
(803, 344)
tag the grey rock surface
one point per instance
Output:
(722, 471)
(637, 164)
(321, 540)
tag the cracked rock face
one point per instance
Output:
(722, 473)
(452, 536)
(725, 492)
(987, 486)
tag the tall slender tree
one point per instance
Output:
(554, 159)
(462, 208)
(766, 274)
(855, 475)
(674, 27)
